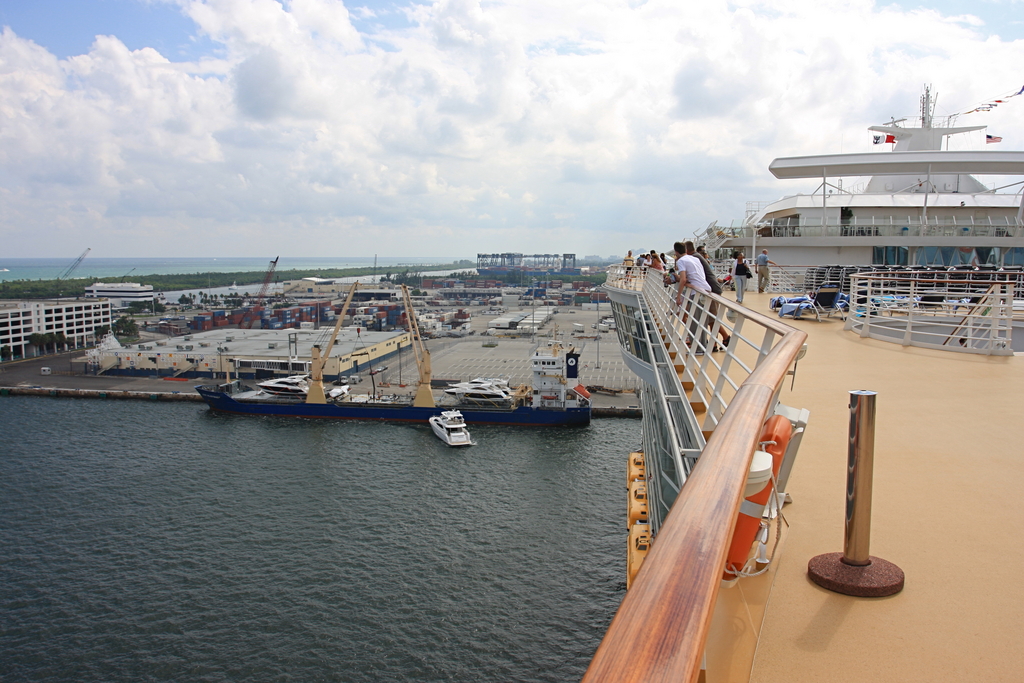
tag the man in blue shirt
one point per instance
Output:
(764, 276)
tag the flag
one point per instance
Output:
(992, 138)
(890, 138)
(878, 139)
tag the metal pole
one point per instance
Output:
(860, 463)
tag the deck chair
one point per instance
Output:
(828, 300)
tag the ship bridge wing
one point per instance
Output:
(899, 163)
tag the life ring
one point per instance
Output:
(779, 430)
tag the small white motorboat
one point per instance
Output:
(451, 428)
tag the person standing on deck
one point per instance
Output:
(740, 273)
(691, 274)
(764, 275)
(716, 288)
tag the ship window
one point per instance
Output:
(1014, 257)
(889, 256)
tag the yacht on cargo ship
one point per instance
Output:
(921, 204)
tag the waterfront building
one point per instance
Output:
(76, 319)
(121, 294)
(252, 354)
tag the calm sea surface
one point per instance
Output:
(145, 542)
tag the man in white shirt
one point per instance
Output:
(691, 274)
(689, 270)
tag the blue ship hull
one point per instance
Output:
(521, 416)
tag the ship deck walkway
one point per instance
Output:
(947, 476)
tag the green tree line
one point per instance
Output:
(42, 289)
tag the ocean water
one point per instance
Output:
(50, 268)
(150, 542)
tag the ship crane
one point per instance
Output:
(315, 384)
(424, 397)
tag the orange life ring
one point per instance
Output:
(780, 430)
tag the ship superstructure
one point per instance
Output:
(919, 205)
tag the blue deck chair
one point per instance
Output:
(828, 300)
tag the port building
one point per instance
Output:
(76, 319)
(121, 294)
(252, 354)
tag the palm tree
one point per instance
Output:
(38, 340)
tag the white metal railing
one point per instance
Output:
(692, 333)
(872, 226)
(660, 631)
(933, 311)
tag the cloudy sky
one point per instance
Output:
(317, 127)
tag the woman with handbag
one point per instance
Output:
(740, 273)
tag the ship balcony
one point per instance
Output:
(1005, 229)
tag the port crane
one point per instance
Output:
(246, 324)
(266, 281)
(70, 269)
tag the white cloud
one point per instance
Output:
(527, 126)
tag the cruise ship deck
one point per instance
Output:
(946, 468)
(947, 474)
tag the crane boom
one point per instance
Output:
(424, 397)
(70, 269)
(317, 362)
(251, 317)
(266, 281)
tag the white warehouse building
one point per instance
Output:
(121, 294)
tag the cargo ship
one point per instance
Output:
(555, 398)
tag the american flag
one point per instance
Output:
(992, 138)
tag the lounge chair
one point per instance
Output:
(828, 300)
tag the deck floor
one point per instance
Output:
(948, 475)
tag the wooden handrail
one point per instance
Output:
(659, 630)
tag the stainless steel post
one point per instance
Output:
(860, 463)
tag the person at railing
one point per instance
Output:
(740, 273)
(690, 272)
(764, 275)
(654, 262)
(716, 288)
(628, 261)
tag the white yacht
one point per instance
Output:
(296, 386)
(485, 390)
(920, 205)
(450, 427)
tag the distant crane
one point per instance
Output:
(266, 281)
(251, 317)
(70, 269)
